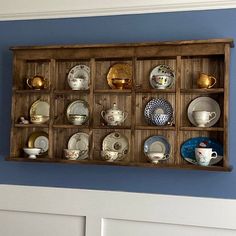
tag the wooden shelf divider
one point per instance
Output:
(203, 91)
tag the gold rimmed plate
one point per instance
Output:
(120, 76)
(78, 107)
(40, 107)
(39, 139)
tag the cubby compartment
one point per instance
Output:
(102, 68)
(20, 139)
(63, 68)
(98, 139)
(27, 69)
(63, 101)
(191, 102)
(62, 136)
(193, 66)
(24, 102)
(214, 136)
(144, 67)
(142, 135)
(105, 102)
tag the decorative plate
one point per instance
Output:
(80, 141)
(78, 107)
(116, 142)
(188, 149)
(162, 76)
(120, 70)
(40, 107)
(157, 106)
(39, 140)
(79, 72)
(157, 144)
(204, 104)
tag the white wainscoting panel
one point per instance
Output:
(29, 224)
(44, 211)
(128, 228)
(44, 9)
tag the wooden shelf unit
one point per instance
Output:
(187, 58)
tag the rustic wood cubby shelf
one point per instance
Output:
(186, 58)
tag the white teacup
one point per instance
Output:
(109, 155)
(204, 156)
(78, 84)
(155, 157)
(203, 117)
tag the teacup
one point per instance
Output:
(32, 152)
(39, 119)
(71, 154)
(77, 119)
(109, 155)
(78, 84)
(155, 157)
(204, 156)
(120, 83)
(161, 81)
(203, 117)
(160, 119)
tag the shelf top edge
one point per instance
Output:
(159, 43)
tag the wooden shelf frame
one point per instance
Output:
(145, 52)
(122, 163)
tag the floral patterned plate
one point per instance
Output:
(79, 72)
(116, 142)
(80, 141)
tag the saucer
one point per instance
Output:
(188, 149)
(204, 104)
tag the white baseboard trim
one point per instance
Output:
(38, 211)
(26, 9)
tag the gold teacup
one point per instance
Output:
(120, 83)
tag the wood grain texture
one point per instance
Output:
(181, 42)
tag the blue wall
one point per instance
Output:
(134, 28)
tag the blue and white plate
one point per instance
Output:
(157, 106)
(188, 149)
(157, 144)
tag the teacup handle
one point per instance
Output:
(46, 83)
(166, 157)
(214, 155)
(213, 116)
(28, 82)
(125, 115)
(213, 78)
(103, 114)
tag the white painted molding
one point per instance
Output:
(46, 211)
(44, 9)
